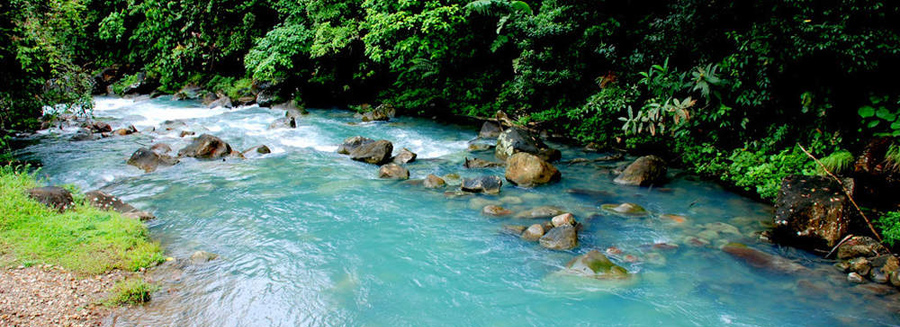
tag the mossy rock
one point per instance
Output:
(627, 209)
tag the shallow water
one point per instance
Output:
(307, 237)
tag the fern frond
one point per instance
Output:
(837, 162)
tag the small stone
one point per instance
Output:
(513, 229)
(393, 171)
(566, 219)
(855, 278)
(560, 238)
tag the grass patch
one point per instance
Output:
(84, 239)
(131, 291)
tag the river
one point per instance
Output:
(308, 237)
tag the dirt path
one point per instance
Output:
(50, 296)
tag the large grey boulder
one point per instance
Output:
(104, 201)
(150, 160)
(645, 171)
(514, 140)
(378, 152)
(206, 146)
(352, 143)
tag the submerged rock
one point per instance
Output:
(560, 238)
(494, 210)
(514, 140)
(484, 184)
(645, 171)
(393, 171)
(352, 143)
(761, 260)
(149, 160)
(811, 212)
(84, 134)
(206, 146)
(596, 265)
(628, 209)
(53, 196)
(479, 163)
(528, 170)
(432, 181)
(284, 122)
(378, 152)
(199, 257)
(540, 212)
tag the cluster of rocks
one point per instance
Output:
(383, 112)
(95, 130)
(864, 259)
(203, 147)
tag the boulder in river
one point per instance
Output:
(84, 134)
(761, 260)
(378, 152)
(596, 265)
(560, 238)
(432, 181)
(479, 163)
(222, 101)
(383, 112)
(352, 143)
(256, 151)
(199, 257)
(533, 233)
(528, 170)
(206, 146)
(125, 131)
(149, 160)
(566, 219)
(393, 171)
(483, 184)
(283, 122)
(489, 130)
(405, 156)
(292, 109)
(161, 148)
(812, 212)
(53, 196)
(645, 171)
(514, 140)
(100, 127)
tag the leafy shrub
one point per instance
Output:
(889, 224)
(131, 291)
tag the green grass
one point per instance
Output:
(131, 291)
(84, 239)
(838, 162)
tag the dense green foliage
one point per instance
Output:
(83, 239)
(730, 89)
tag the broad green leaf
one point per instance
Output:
(866, 111)
(873, 123)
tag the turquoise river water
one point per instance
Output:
(308, 237)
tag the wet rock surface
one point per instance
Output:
(515, 140)
(149, 160)
(375, 153)
(206, 146)
(645, 171)
(811, 212)
(483, 184)
(528, 170)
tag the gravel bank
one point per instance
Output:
(50, 296)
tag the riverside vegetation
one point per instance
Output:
(727, 90)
